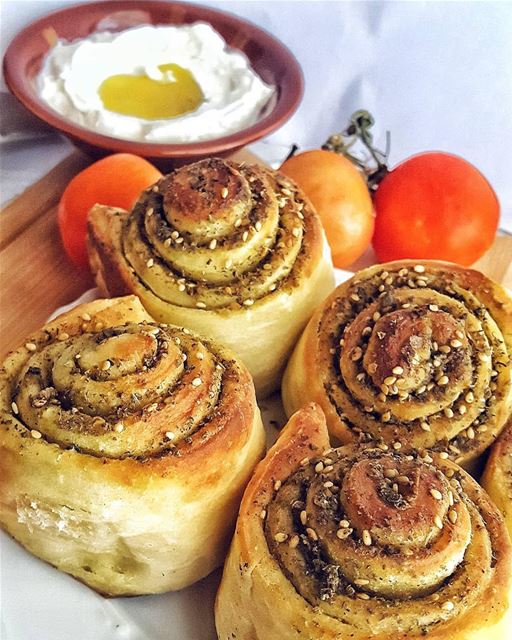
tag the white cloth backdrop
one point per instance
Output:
(438, 75)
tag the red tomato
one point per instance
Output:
(116, 181)
(435, 205)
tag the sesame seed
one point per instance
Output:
(170, 435)
(470, 432)
(155, 189)
(367, 538)
(355, 297)
(344, 524)
(390, 473)
(328, 469)
(448, 412)
(382, 445)
(398, 371)
(442, 381)
(277, 485)
(119, 427)
(450, 498)
(390, 380)
(361, 582)
(196, 382)
(448, 606)
(14, 407)
(397, 446)
(384, 275)
(304, 462)
(444, 455)
(403, 479)
(366, 331)
(406, 305)
(245, 235)
(328, 484)
(452, 515)
(200, 305)
(36, 434)
(421, 389)
(436, 494)
(296, 232)
(30, 346)
(436, 362)
(462, 409)
(150, 211)
(150, 263)
(394, 486)
(360, 376)
(376, 316)
(483, 357)
(213, 244)
(362, 596)
(257, 225)
(319, 467)
(456, 344)
(433, 307)
(438, 522)
(238, 222)
(342, 534)
(248, 302)
(459, 334)
(382, 397)
(469, 397)
(303, 517)
(419, 268)
(62, 336)
(179, 240)
(311, 533)
(403, 272)
(224, 192)
(286, 192)
(294, 542)
(181, 287)
(386, 417)
(263, 514)
(356, 354)
(444, 348)
(280, 537)
(425, 426)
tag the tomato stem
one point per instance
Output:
(358, 131)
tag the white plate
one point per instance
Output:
(40, 603)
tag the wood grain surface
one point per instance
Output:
(37, 277)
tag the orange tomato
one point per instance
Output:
(341, 197)
(116, 181)
(435, 205)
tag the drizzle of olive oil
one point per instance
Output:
(143, 97)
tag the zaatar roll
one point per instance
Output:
(497, 478)
(232, 251)
(363, 543)
(125, 446)
(414, 355)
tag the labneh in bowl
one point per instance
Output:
(269, 58)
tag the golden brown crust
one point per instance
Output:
(497, 477)
(416, 355)
(232, 251)
(111, 424)
(362, 542)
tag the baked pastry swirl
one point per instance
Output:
(232, 251)
(497, 477)
(124, 448)
(416, 355)
(363, 542)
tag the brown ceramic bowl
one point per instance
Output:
(269, 58)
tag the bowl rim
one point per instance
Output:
(286, 103)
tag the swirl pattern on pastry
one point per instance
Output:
(497, 477)
(224, 248)
(105, 405)
(362, 542)
(415, 355)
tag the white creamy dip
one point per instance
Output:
(234, 94)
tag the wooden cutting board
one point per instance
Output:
(37, 277)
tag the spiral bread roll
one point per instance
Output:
(125, 446)
(362, 542)
(497, 478)
(414, 355)
(232, 251)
